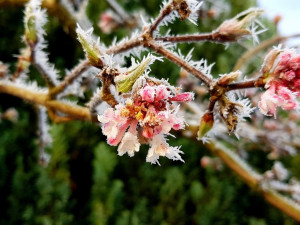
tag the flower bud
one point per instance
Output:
(237, 27)
(206, 124)
(125, 81)
(30, 30)
(90, 47)
(270, 60)
(229, 78)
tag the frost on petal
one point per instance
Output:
(269, 102)
(184, 97)
(159, 147)
(113, 122)
(162, 93)
(148, 93)
(129, 144)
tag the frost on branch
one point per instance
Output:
(281, 76)
(147, 116)
(34, 21)
(183, 9)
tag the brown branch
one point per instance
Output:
(76, 112)
(43, 72)
(213, 37)
(252, 178)
(166, 11)
(177, 60)
(246, 84)
(70, 78)
(124, 46)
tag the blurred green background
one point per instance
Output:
(86, 182)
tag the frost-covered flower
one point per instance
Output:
(149, 114)
(281, 74)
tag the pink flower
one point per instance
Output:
(149, 113)
(107, 22)
(282, 70)
(148, 93)
(278, 95)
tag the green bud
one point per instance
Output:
(90, 47)
(126, 80)
(206, 124)
(30, 30)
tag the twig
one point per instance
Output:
(164, 12)
(246, 84)
(180, 62)
(213, 37)
(125, 46)
(70, 78)
(76, 112)
(263, 45)
(235, 163)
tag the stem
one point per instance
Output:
(43, 72)
(177, 60)
(124, 46)
(213, 37)
(247, 174)
(265, 44)
(166, 11)
(70, 78)
(76, 112)
(246, 84)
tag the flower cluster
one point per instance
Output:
(147, 116)
(281, 72)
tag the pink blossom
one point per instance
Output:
(148, 93)
(184, 97)
(278, 95)
(107, 22)
(148, 113)
(283, 83)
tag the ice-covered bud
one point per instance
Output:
(270, 60)
(90, 46)
(30, 30)
(238, 27)
(229, 78)
(125, 81)
(206, 124)
(34, 21)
